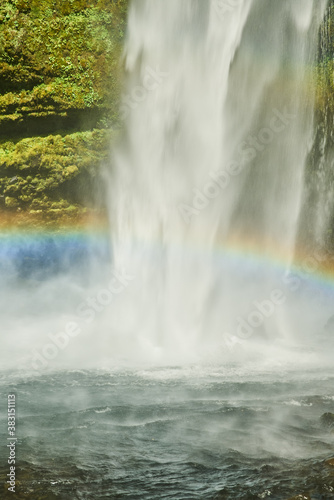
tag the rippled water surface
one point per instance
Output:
(180, 433)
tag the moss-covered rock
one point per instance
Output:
(60, 80)
(59, 61)
(56, 172)
(327, 420)
(325, 71)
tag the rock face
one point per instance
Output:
(60, 80)
(53, 173)
(319, 172)
(327, 421)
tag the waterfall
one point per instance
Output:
(208, 182)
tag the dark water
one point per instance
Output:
(181, 433)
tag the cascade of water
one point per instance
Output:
(219, 124)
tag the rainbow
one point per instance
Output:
(28, 244)
(51, 246)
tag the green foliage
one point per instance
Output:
(56, 56)
(325, 68)
(59, 70)
(35, 172)
(325, 85)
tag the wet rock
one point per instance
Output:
(69, 78)
(330, 462)
(58, 102)
(63, 171)
(327, 421)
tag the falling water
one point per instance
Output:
(208, 183)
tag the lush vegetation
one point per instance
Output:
(60, 79)
(37, 172)
(325, 67)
